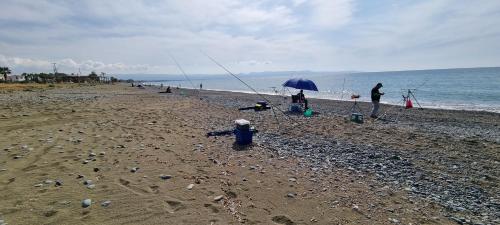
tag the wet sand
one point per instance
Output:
(431, 167)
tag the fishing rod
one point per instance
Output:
(251, 88)
(182, 70)
(342, 94)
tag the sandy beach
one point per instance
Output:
(142, 157)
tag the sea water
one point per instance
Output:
(467, 89)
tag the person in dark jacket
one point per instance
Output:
(302, 99)
(376, 99)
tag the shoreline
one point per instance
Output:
(470, 108)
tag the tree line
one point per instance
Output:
(58, 77)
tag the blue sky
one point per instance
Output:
(127, 36)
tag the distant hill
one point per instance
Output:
(291, 74)
(175, 77)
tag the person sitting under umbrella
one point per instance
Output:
(302, 99)
(302, 84)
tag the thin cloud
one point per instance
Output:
(331, 14)
(293, 35)
(68, 65)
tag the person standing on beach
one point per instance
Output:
(201, 86)
(376, 99)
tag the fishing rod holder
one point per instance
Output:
(356, 115)
(406, 102)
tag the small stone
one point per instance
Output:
(87, 182)
(96, 170)
(79, 176)
(85, 161)
(102, 153)
(165, 177)
(290, 195)
(92, 154)
(86, 203)
(48, 181)
(17, 157)
(105, 203)
(392, 220)
(91, 186)
(134, 169)
(38, 185)
(218, 198)
(58, 183)
(190, 186)
(292, 179)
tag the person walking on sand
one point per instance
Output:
(376, 99)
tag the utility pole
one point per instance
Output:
(103, 79)
(54, 67)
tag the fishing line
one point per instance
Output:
(251, 88)
(342, 94)
(421, 85)
(182, 70)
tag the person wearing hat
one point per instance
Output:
(376, 99)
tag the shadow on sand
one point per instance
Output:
(238, 147)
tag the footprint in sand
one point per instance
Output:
(124, 182)
(136, 190)
(212, 208)
(282, 220)
(29, 168)
(174, 205)
(154, 189)
(50, 213)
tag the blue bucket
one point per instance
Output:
(243, 137)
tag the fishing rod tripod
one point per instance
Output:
(355, 111)
(407, 103)
(408, 97)
(355, 107)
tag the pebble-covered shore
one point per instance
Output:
(459, 172)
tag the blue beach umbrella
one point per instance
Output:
(299, 83)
